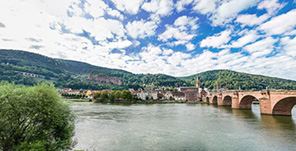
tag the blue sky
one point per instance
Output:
(175, 37)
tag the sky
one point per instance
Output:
(174, 37)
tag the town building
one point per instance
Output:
(148, 94)
(179, 96)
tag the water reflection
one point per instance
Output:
(278, 122)
(245, 114)
(226, 109)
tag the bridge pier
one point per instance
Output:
(220, 101)
(265, 106)
(235, 102)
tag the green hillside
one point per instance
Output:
(67, 73)
(233, 80)
(73, 74)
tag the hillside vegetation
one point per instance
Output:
(233, 80)
(73, 74)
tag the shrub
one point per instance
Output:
(34, 118)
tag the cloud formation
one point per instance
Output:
(178, 38)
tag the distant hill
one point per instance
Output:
(233, 80)
(71, 73)
(67, 73)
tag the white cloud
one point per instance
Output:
(271, 6)
(181, 3)
(205, 6)
(117, 44)
(249, 37)
(182, 31)
(186, 23)
(262, 45)
(99, 28)
(289, 45)
(175, 33)
(217, 40)
(280, 24)
(114, 13)
(251, 20)
(229, 9)
(130, 6)
(41, 32)
(141, 29)
(201, 6)
(190, 46)
(177, 58)
(167, 52)
(95, 8)
(159, 7)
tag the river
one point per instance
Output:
(180, 127)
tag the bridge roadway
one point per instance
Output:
(271, 102)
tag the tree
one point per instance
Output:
(97, 95)
(117, 95)
(127, 95)
(104, 96)
(34, 118)
(112, 96)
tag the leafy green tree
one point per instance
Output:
(34, 118)
(97, 95)
(104, 96)
(127, 95)
(112, 96)
(117, 95)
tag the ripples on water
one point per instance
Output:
(180, 127)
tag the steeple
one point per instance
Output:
(197, 82)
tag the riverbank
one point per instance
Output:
(78, 100)
(132, 102)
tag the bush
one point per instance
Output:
(34, 118)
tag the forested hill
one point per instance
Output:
(66, 73)
(233, 80)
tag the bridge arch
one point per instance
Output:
(246, 102)
(284, 106)
(207, 99)
(227, 101)
(215, 100)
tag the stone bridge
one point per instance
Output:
(271, 102)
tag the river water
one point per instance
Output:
(180, 127)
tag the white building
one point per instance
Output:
(150, 94)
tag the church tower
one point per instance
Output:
(197, 82)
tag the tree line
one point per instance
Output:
(113, 96)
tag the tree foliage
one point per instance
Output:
(112, 96)
(34, 118)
